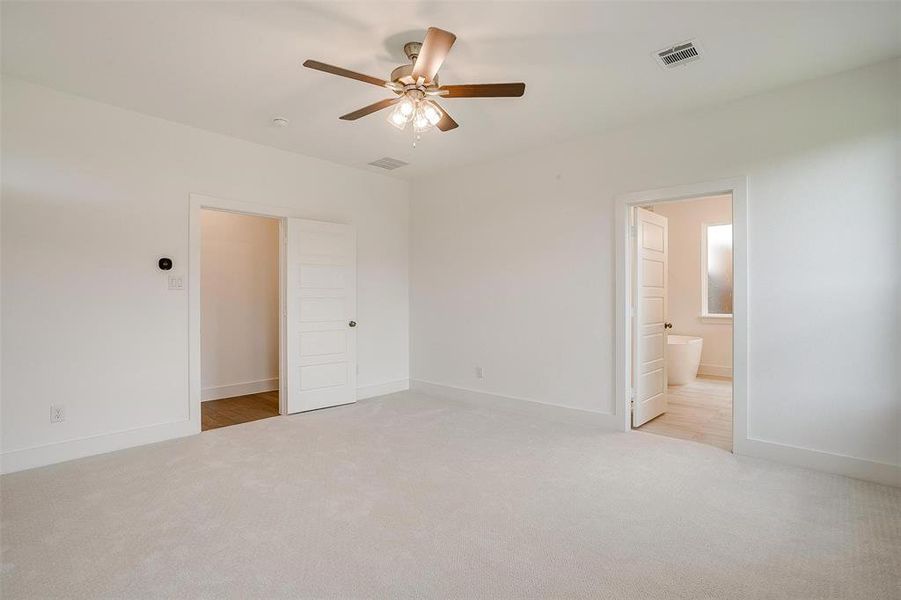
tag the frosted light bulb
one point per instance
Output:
(397, 119)
(419, 120)
(406, 107)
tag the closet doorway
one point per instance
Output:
(239, 320)
(313, 270)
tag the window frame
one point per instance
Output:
(706, 315)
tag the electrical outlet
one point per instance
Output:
(57, 413)
(479, 373)
(176, 282)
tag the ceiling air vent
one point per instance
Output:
(388, 163)
(678, 55)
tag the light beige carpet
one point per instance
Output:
(407, 497)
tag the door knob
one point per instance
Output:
(667, 325)
(352, 324)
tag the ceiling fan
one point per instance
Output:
(416, 86)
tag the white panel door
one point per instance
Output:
(649, 322)
(321, 355)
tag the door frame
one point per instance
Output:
(200, 202)
(738, 188)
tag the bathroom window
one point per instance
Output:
(716, 272)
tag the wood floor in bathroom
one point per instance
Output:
(700, 411)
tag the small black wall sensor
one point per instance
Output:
(165, 264)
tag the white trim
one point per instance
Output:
(218, 392)
(705, 315)
(737, 187)
(716, 319)
(554, 412)
(282, 316)
(381, 389)
(38, 456)
(828, 462)
(715, 370)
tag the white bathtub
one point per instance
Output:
(683, 356)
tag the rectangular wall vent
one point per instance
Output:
(678, 55)
(388, 163)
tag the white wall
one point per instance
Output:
(513, 261)
(239, 298)
(685, 221)
(92, 196)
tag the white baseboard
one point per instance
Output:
(715, 370)
(828, 462)
(28, 458)
(802, 457)
(380, 389)
(554, 412)
(238, 389)
(39, 456)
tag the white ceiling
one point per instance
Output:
(231, 67)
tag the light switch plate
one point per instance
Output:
(176, 282)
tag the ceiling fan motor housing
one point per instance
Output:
(404, 76)
(404, 73)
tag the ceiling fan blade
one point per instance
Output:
(447, 122)
(315, 64)
(366, 110)
(435, 46)
(483, 90)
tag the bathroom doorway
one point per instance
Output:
(680, 292)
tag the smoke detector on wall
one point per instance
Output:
(678, 54)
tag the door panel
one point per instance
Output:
(648, 331)
(321, 287)
(318, 310)
(316, 377)
(318, 343)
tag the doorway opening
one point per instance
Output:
(239, 316)
(682, 312)
(682, 294)
(316, 303)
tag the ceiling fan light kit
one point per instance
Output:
(422, 113)
(416, 85)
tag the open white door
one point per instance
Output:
(321, 357)
(649, 323)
